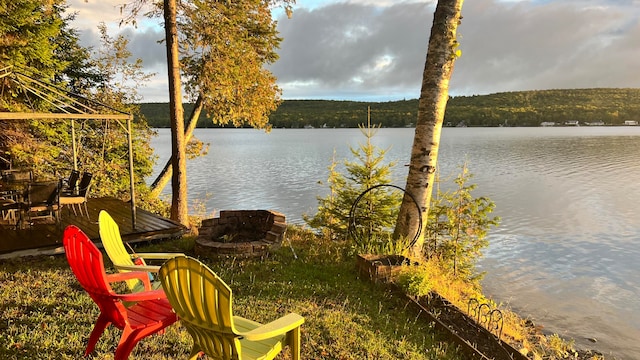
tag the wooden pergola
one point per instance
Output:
(70, 107)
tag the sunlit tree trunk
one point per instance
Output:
(441, 55)
(166, 174)
(179, 201)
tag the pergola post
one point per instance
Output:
(73, 145)
(131, 179)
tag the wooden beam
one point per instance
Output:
(56, 116)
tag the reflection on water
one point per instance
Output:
(566, 253)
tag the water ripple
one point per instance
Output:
(566, 252)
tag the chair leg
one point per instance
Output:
(72, 206)
(21, 221)
(294, 343)
(127, 342)
(130, 339)
(9, 216)
(97, 331)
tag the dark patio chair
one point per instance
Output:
(42, 201)
(80, 198)
(69, 185)
(10, 211)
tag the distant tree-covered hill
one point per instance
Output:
(521, 108)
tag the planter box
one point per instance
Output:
(380, 268)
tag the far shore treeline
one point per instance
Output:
(522, 108)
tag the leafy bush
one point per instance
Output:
(414, 281)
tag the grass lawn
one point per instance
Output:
(45, 314)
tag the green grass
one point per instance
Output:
(45, 314)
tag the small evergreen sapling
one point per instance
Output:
(377, 210)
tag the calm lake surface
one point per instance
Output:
(567, 251)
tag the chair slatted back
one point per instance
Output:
(203, 302)
(20, 175)
(72, 181)
(43, 193)
(113, 245)
(86, 262)
(85, 183)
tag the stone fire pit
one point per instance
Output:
(241, 233)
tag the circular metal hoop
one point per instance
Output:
(352, 218)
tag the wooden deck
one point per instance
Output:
(47, 238)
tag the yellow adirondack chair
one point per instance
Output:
(122, 260)
(203, 302)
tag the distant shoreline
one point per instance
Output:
(605, 106)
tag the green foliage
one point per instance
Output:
(32, 34)
(317, 113)
(102, 145)
(225, 45)
(560, 348)
(415, 282)
(530, 108)
(523, 108)
(106, 76)
(376, 211)
(360, 206)
(457, 226)
(81, 71)
(383, 243)
(28, 33)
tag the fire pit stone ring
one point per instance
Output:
(241, 234)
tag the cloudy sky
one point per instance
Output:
(374, 50)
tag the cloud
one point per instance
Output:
(148, 45)
(559, 44)
(375, 49)
(344, 49)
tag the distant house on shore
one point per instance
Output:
(631, 122)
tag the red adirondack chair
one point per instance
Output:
(150, 314)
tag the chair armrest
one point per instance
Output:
(142, 295)
(136, 268)
(157, 255)
(274, 328)
(130, 275)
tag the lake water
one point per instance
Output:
(567, 251)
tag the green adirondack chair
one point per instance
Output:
(124, 261)
(203, 302)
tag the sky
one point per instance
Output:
(375, 50)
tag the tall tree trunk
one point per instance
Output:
(165, 175)
(179, 200)
(441, 54)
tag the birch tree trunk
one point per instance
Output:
(179, 201)
(441, 55)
